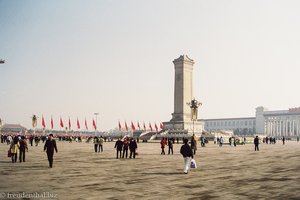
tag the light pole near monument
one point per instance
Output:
(194, 105)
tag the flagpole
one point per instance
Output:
(96, 114)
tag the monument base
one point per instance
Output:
(184, 127)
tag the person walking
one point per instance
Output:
(119, 146)
(14, 149)
(221, 141)
(125, 147)
(187, 153)
(49, 147)
(23, 148)
(170, 145)
(100, 144)
(256, 143)
(9, 140)
(194, 144)
(96, 144)
(163, 143)
(31, 140)
(132, 148)
(283, 140)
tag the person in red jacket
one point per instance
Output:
(23, 147)
(163, 143)
(125, 147)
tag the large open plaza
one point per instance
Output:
(151, 74)
(223, 173)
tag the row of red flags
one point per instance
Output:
(61, 123)
(161, 126)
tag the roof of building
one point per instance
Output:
(223, 119)
(13, 126)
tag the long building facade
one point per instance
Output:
(239, 126)
(271, 123)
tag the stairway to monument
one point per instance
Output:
(152, 135)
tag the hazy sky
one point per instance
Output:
(75, 58)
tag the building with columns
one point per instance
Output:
(282, 122)
(271, 123)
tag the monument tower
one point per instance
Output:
(183, 90)
(181, 121)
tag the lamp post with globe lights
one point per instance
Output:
(194, 105)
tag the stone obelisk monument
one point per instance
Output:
(181, 121)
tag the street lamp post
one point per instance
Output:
(194, 104)
(34, 123)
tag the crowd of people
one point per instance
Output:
(18, 145)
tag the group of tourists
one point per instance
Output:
(269, 140)
(98, 144)
(167, 142)
(19, 145)
(123, 146)
(186, 150)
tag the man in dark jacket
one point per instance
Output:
(49, 147)
(125, 147)
(23, 148)
(96, 140)
(256, 143)
(170, 144)
(119, 146)
(187, 154)
(132, 148)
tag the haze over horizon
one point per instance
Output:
(75, 58)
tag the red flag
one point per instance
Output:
(161, 126)
(61, 123)
(144, 126)
(86, 126)
(51, 122)
(94, 124)
(139, 126)
(156, 128)
(120, 125)
(132, 126)
(126, 127)
(69, 124)
(78, 124)
(43, 122)
(150, 127)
